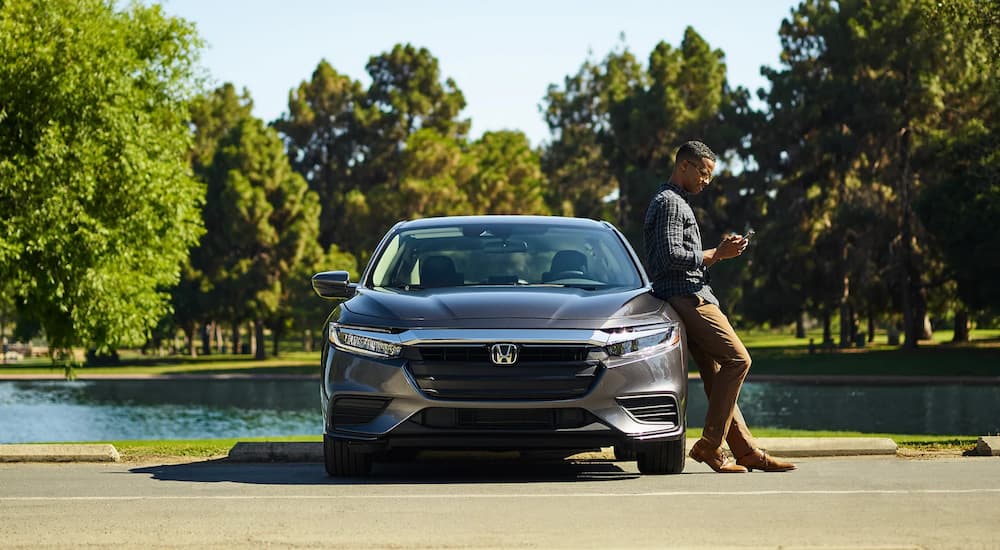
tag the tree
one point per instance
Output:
(97, 204)
(508, 177)
(639, 117)
(866, 89)
(213, 116)
(303, 311)
(581, 181)
(321, 133)
(262, 221)
(350, 145)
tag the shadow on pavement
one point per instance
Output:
(419, 471)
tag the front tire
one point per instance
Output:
(341, 461)
(662, 457)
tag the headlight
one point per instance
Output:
(643, 340)
(364, 341)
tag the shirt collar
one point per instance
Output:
(669, 184)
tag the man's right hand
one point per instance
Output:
(730, 247)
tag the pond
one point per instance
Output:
(37, 411)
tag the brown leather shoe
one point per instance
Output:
(714, 459)
(760, 460)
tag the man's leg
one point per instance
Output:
(712, 369)
(739, 438)
(709, 330)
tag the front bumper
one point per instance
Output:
(390, 403)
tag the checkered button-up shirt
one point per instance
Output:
(673, 247)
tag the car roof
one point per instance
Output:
(448, 221)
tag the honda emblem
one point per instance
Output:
(503, 354)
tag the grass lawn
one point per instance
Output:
(773, 354)
(300, 362)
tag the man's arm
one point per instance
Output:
(669, 250)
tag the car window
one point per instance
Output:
(505, 254)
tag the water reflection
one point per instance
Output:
(911, 408)
(156, 409)
(194, 409)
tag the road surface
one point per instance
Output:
(488, 503)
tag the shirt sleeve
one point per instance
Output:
(670, 250)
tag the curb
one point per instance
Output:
(988, 446)
(776, 446)
(59, 453)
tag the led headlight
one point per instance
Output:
(643, 340)
(370, 342)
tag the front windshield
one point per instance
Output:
(505, 254)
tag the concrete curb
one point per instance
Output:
(988, 446)
(776, 446)
(59, 453)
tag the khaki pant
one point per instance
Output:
(723, 362)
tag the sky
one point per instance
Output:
(503, 55)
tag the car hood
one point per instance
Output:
(502, 305)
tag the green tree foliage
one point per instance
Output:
(962, 198)
(636, 118)
(97, 204)
(581, 180)
(213, 116)
(351, 145)
(301, 311)
(854, 118)
(261, 221)
(321, 133)
(508, 177)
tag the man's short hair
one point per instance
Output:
(694, 150)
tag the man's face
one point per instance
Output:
(696, 174)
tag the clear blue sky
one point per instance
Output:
(502, 54)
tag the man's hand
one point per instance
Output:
(730, 247)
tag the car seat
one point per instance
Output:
(437, 271)
(566, 260)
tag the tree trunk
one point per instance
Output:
(845, 314)
(961, 326)
(275, 338)
(910, 275)
(800, 325)
(236, 337)
(923, 327)
(189, 340)
(827, 336)
(259, 345)
(252, 335)
(871, 326)
(307, 340)
(206, 338)
(220, 338)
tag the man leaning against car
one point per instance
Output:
(679, 271)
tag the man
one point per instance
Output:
(679, 270)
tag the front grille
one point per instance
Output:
(503, 419)
(542, 372)
(659, 409)
(352, 410)
(526, 353)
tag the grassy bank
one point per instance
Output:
(203, 449)
(773, 354)
(295, 363)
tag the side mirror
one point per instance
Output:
(334, 285)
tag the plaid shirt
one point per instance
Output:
(673, 247)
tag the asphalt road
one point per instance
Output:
(478, 503)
